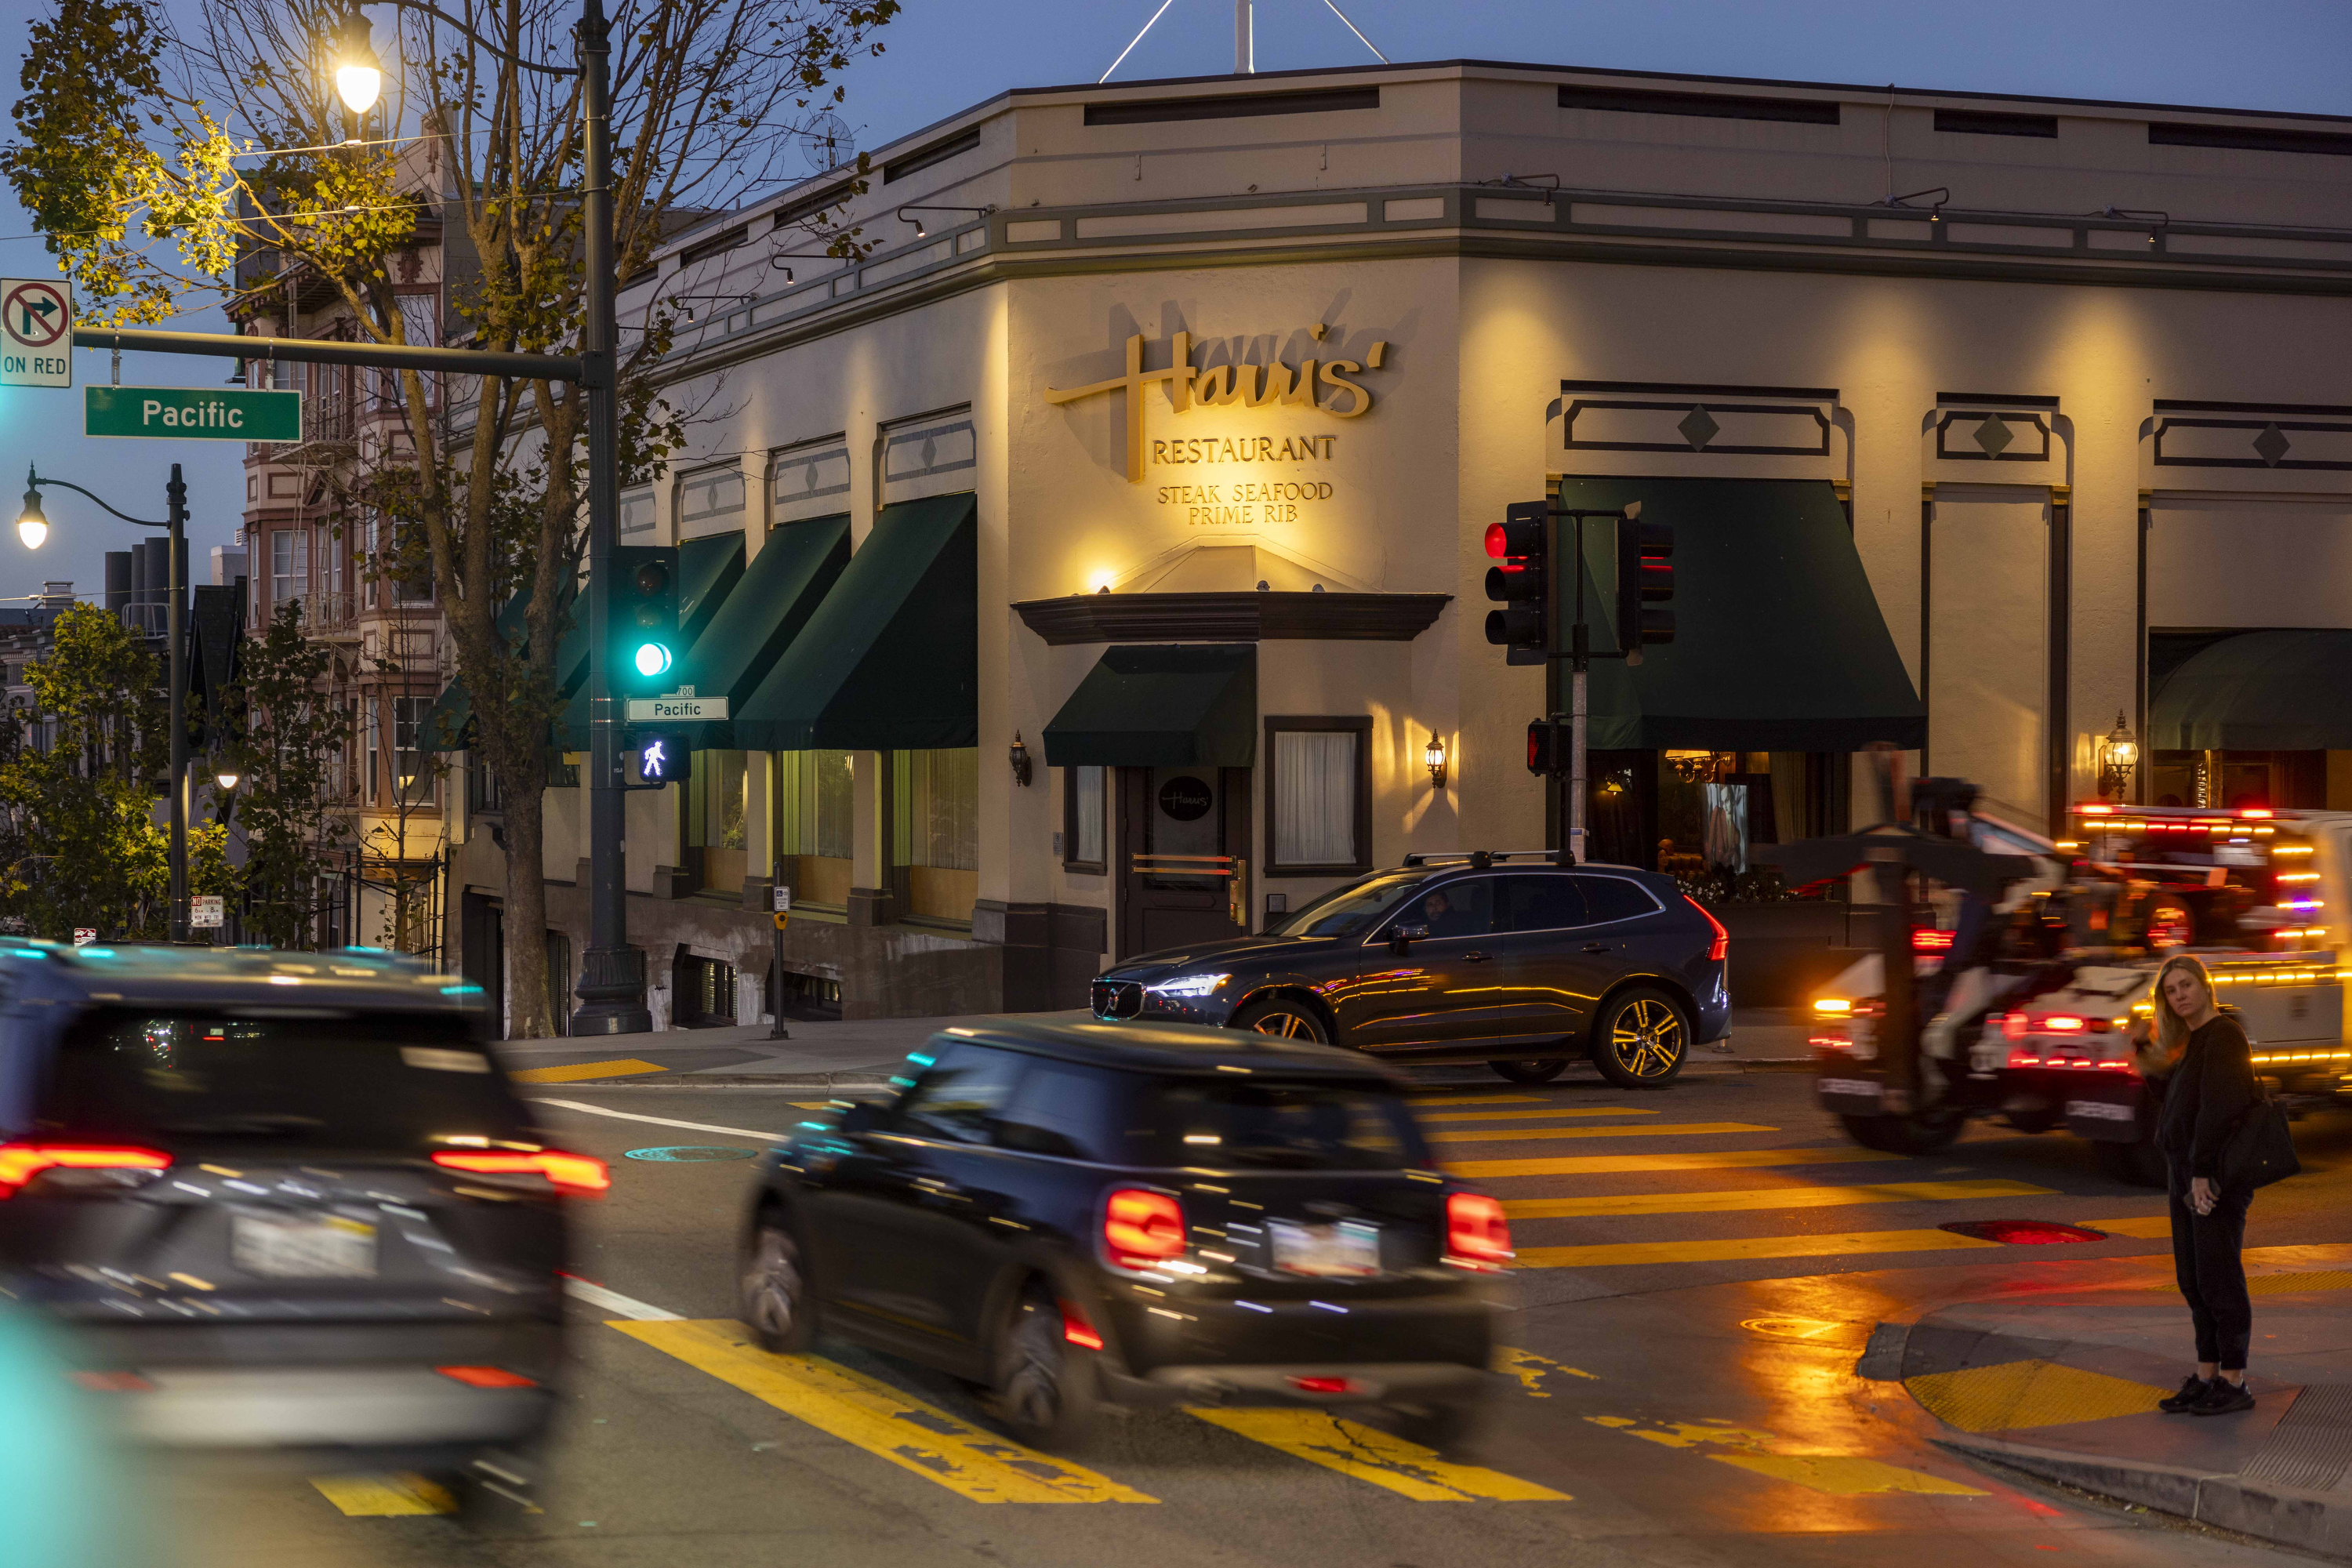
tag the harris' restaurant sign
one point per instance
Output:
(1324, 387)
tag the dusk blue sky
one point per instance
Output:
(942, 55)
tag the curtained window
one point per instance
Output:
(1319, 796)
(1082, 819)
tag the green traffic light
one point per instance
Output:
(652, 659)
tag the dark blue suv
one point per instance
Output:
(1511, 957)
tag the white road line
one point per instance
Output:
(661, 1121)
(613, 1302)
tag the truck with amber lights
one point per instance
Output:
(2029, 1018)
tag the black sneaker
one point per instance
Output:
(2192, 1389)
(2223, 1398)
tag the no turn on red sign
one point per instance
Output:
(35, 333)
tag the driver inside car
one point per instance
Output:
(1438, 913)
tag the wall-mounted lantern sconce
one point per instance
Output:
(226, 776)
(1434, 756)
(1020, 758)
(2118, 758)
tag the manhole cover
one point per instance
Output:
(690, 1151)
(2023, 1232)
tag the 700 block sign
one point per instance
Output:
(192, 414)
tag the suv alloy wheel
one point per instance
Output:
(1641, 1037)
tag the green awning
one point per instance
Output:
(890, 661)
(449, 722)
(1778, 645)
(2259, 691)
(1162, 705)
(786, 582)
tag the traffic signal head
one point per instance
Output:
(644, 618)
(1645, 582)
(1548, 746)
(1520, 582)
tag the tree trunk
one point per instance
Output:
(526, 922)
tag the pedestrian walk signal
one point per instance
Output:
(644, 622)
(1548, 747)
(1521, 583)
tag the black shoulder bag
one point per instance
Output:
(2260, 1149)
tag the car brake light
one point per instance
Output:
(1722, 942)
(2062, 1023)
(580, 1173)
(487, 1377)
(1323, 1384)
(1477, 1235)
(1142, 1227)
(1076, 1329)
(1931, 939)
(20, 1163)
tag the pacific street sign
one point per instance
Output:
(192, 414)
(35, 333)
(676, 709)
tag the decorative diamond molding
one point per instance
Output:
(2252, 436)
(1994, 427)
(1712, 421)
(1698, 429)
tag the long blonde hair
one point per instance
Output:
(2171, 1028)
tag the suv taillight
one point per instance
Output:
(581, 1175)
(20, 1163)
(1722, 942)
(1477, 1237)
(1142, 1227)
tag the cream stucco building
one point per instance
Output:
(1163, 423)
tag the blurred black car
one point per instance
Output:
(1075, 1214)
(285, 1201)
(1510, 957)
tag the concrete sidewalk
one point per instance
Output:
(862, 1054)
(2062, 1384)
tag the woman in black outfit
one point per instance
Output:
(2202, 1059)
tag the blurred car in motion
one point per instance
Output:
(1078, 1214)
(1507, 956)
(285, 1201)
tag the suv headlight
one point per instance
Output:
(1187, 986)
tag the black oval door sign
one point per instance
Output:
(1186, 799)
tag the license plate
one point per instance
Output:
(1348, 1250)
(302, 1248)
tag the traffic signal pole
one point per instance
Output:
(612, 973)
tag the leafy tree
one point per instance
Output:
(78, 781)
(288, 740)
(711, 99)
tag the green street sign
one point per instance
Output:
(192, 414)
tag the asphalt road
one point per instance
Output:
(1702, 1268)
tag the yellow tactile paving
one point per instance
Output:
(2028, 1393)
(1670, 1130)
(383, 1496)
(1738, 1248)
(625, 1066)
(1790, 1198)
(889, 1425)
(1703, 1159)
(1362, 1454)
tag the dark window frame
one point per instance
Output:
(717, 245)
(1070, 862)
(1994, 122)
(1321, 723)
(2249, 138)
(1232, 106)
(939, 152)
(1702, 105)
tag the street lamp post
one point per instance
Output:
(611, 989)
(33, 528)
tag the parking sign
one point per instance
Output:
(35, 333)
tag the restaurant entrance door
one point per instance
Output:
(1184, 836)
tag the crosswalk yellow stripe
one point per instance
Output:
(625, 1066)
(878, 1418)
(1412, 1099)
(1671, 1130)
(1532, 1115)
(1737, 1249)
(1699, 1160)
(383, 1496)
(1362, 1454)
(1794, 1198)
(2134, 1225)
